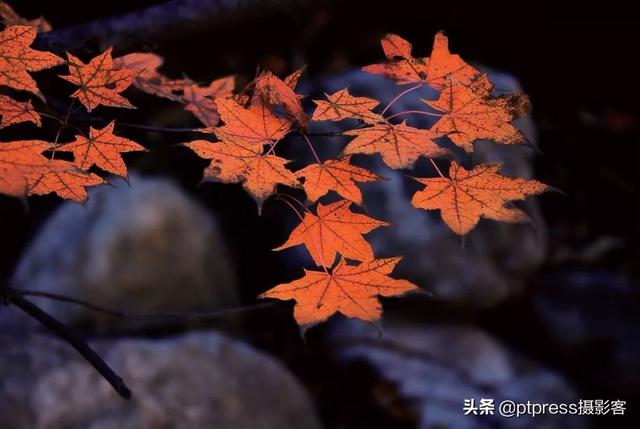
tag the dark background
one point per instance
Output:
(575, 62)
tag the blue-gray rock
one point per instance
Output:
(143, 248)
(201, 380)
(437, 367)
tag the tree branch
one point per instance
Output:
(9, 296)
(135, 28)
(180, 315)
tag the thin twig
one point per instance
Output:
(162, 129)
(334, 134)
(62, 124)
(163, 20)
(65, 123)
(127, 315)
(70, 300)
(70, 337)
(417, 112)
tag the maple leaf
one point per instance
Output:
(17, 59)
(399, 144)
(222, 87)
(335, 229)
(342, 105)
(246, 164)
(69, 183)
(472, 113)
(350, 290)
(241, 99)
(256, 125)
(466, 196)
(337, 175)
(201, 100)
(144, 66)
(292, 80)
(14, 112)
(274, 91)
(103, 149)
(10, 17)
(22, 160)
(404, 68)
(99, 82)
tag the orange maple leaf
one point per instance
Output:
(256, 125)
(241, 99)
(17, 58)
(342, 105)
(21, 161)
(145, 66)
(337, 175)
(201, 100)
(245, 163)
(468, 195)
(403, 68)
(69, 183)
(292, 80)
(10, 17)
(472, 113)
(99, 82)
(103, 149)
(335, 229)
(400, 145)
(350, 290)
(274, 91)
(14, 112)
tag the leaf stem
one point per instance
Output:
(436, 167)
(63, 125)
(399, 96)
(300, 203)
(306, 230)
(315, 154)
(272, 147)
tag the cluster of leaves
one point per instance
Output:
(240, 135)
(29, 167)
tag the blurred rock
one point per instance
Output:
(25, 358)
(496, 258)
(144, 248)
(438, 367)
(197, 381)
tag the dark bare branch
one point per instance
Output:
(10, 297)
(153, 23)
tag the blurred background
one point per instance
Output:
(547, 314)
